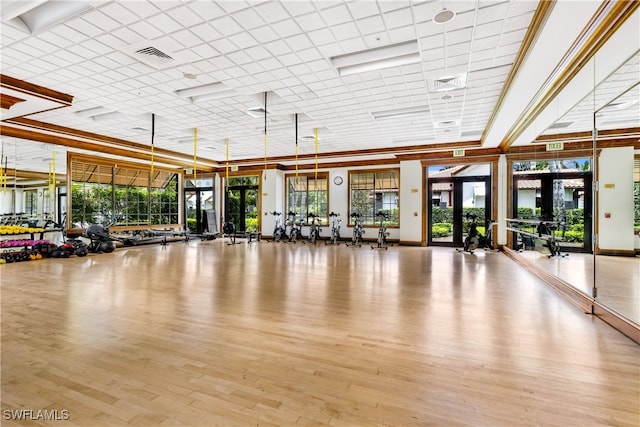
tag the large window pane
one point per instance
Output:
(372, 192)
(307, 195)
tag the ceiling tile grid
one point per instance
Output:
(284, 48)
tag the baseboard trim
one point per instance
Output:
(617, 252)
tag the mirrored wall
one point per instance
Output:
(585, 185)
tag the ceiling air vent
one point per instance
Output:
(153, 56)
(157, 54)
(451, 82)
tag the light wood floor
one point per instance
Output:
(204, 334)
(617, 278)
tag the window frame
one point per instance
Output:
(324, 216)
(374, 223)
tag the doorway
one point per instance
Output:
(452, 201)
(198, 198)
(241, 203)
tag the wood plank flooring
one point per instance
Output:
(274, 334)
(617, 278)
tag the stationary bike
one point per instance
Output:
(314, 228)
(295, 232)
(335, 229)
(382, 231)
(279, 231)
(475, 239)
(358, 230)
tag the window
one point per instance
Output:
(111, 194)
(371, 192)
(307, 194)
(31, 202)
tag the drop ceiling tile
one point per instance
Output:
(493, 13)
(312, 21)
(371, 25)
(402, 34)
(398, 17)
(512, 37)
(141, 9)
(226, 25)
(146, 30)
(206, 32)
(336, 15)
(265, 34)
(224, 46)
(244, 40)
(272, 12)
(248, 18)
(361, 10)
(165, 23)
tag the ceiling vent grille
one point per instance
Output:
(153, 56)
(452, 82)
(157, 54)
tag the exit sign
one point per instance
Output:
(458, 153)
(555, 146)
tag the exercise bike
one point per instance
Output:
(295, 231)
(475, 239)
(548, 240)
(279, 232)
(314, 228)
(382, 231)
(358, 230)
(229, 229)
(334, 239)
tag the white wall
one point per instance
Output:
(6, 201)
(615, 199)
(410, 202)
(272, 187)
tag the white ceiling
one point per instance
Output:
(285, 48)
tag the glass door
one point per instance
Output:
(198, 201)
(453, 202)
(241, 203)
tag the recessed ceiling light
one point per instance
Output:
(444, 16)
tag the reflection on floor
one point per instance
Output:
(617, 278)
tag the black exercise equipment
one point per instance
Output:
(334, 239)
(279, 231)
(314, 228)
(358, 230)
(382, 231)
(100, 240)
(475, 239)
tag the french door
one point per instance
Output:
(452, 200)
